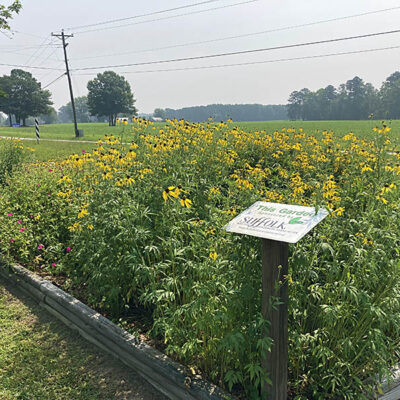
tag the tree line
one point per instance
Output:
(21, 97)
(221, 112)
(353, 100)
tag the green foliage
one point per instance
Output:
(24, 96)
(82, 112)
(50, 117)
(11, 156)
(159, 113)
(221, 112)
(6, 13)
(354, 100)
(110, 94)
(117, 225)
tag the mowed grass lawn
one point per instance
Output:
(49, 150)
(42, 359)
(95, 131)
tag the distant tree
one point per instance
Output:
(159, 113)
(297, 101)
(81, 108)
(50, 118)
(110, 94)
(24, 96)
(238, 112)
(354, 99)
(389, 95)
(65, 114)
(6, 13)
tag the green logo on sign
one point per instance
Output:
(296, 220)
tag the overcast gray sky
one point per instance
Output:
(269, 83)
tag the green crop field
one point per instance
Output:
(95, 131)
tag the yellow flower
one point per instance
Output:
(82, 213)
(186, 202)
(76, 227)
(171, 191)
(213, 255)
(339, 211)
(368, 241)
(382, 199)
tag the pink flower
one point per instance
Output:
(19, 222)
(38, 184)
(53, 265)
(83, 151)
(40, 247)
(31, 216)
(12, 240)
(22, 229)
(68, 249)
(50, 170)
(10, 214)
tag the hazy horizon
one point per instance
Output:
(267, 83)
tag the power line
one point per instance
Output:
(168, 17)
(27, 34)
(29, 67)
(49, 57)
(254, 62)
(6, 35)
(40, 48)
(242, 52)
(26, 55)
(55, 80)
(24, 47)
(111, 21)
(243, 35)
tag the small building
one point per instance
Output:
(156, 119)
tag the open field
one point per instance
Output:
(92, 131)
(95, 131)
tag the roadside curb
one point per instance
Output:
(167, 376)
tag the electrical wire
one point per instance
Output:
(242, 35)
(168, 17)
(27, 34)
(243, 51)
(43, 52)
(111, 21)
(29, 67)
(254, 62)
(55, 80)
(6, 35)
(42, 45)
(24, 47)
(24, 54)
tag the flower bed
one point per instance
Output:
(139, 226)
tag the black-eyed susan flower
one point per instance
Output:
(185, 202)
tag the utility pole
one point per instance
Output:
(62, 36)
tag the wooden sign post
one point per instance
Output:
(277, 225)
